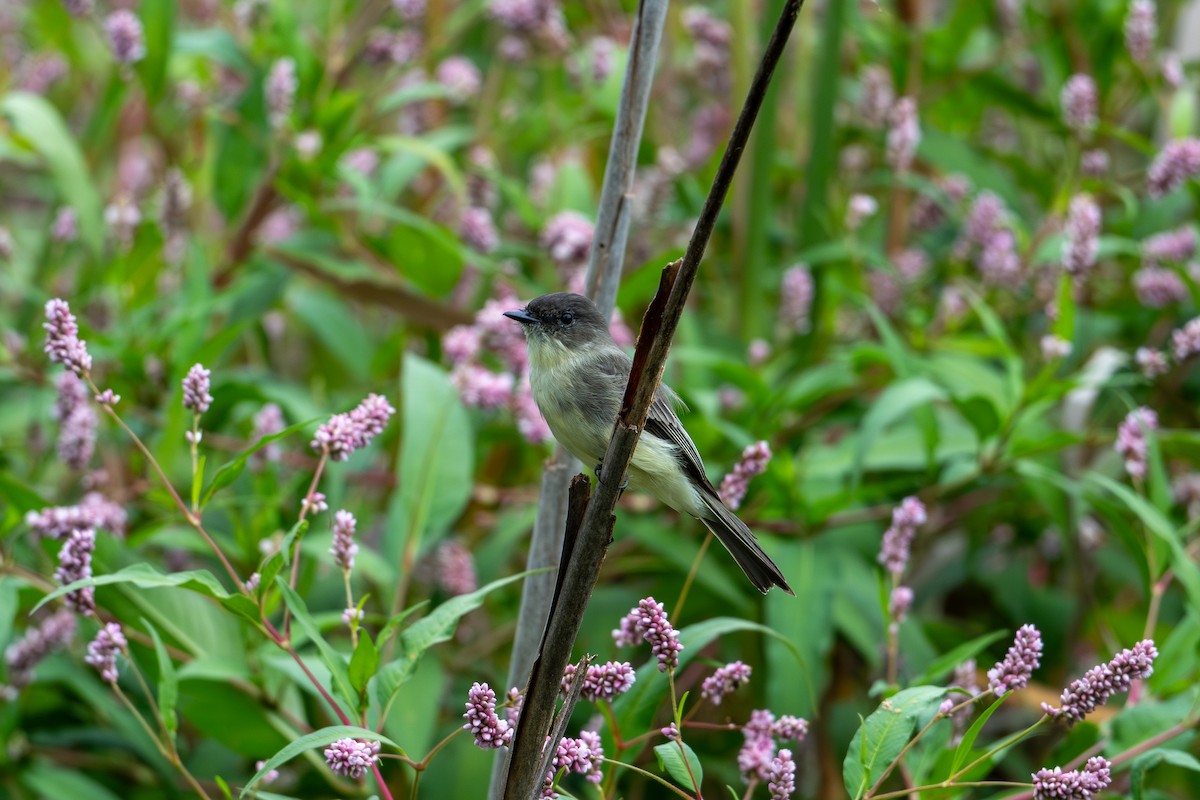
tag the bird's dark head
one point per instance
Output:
(562, 321)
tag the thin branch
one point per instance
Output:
(605, 263)
(595, 532)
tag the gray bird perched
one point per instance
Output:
(578, 375)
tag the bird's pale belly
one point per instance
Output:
(653, 469)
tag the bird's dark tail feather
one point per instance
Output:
(742, 545)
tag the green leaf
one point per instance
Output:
(147, 577)
(318, 738)
(968, 740)
(1064, 324)
(941, 666)
(216, 44)
(1147, 761)
(393, 624)
(198, 481)
(40, 127)
(20, 497)
(414, 93)
(898, 401)
(50, 779)
(433, 629)
(671, 759)
(435, 459)
(1157, 523)
(428, 152)
(168, 683)
(9, 603)
(363, 663)
(229, 472)
(329, 319)
(883, 735)
(158, 22)
(331, 658)
(426, 254)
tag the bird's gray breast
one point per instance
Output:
(580, 404)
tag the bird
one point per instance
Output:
(578, 375)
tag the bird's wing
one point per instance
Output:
(662, 420)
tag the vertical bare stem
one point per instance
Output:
(603, 277)
(578, 576)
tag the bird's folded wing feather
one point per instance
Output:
(662, 421)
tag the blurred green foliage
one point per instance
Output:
(326, 249)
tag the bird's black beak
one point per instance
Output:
(523, 317)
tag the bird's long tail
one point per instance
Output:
(741, 544)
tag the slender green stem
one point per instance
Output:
(141, 679)
(691, 577)
(946, 785)
(679, 742)
(424, 762)
(304, 506)
(1006, 743)
(350, 604)
(165, 746)
(675, 789)
(893, 640)
(194, 446)
(1157, 590)
(191, 518)
(619, 745)
(124, 698)
(900, 756)
(714, 726)
(913, 741)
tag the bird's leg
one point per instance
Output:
(620, 489)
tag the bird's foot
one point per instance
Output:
(620, 489)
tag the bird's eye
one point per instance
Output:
(567, 318)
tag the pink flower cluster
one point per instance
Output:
(734, 485)
(455, 568)
(648, 622)
(93, 511)
(343, 549)
(345, 433)
(605, 681)
(1014, 671)
(102, 651)
(897, 539)
(22, 656)
(904, 134)
(1082, 235)
(757, 754)
(796, 298)
(989, 234)
(75, 564)
(196, 385)
(781, 776)
(1177, 163)
(482, 387)
(1131, 442)
(724, 681)
(76, 422)
(352, 757)
(1083, 695)
(582, 756)
(485, 725)
(1079, 99)
(1141, 29)
(1080, 784)
(63, 344)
